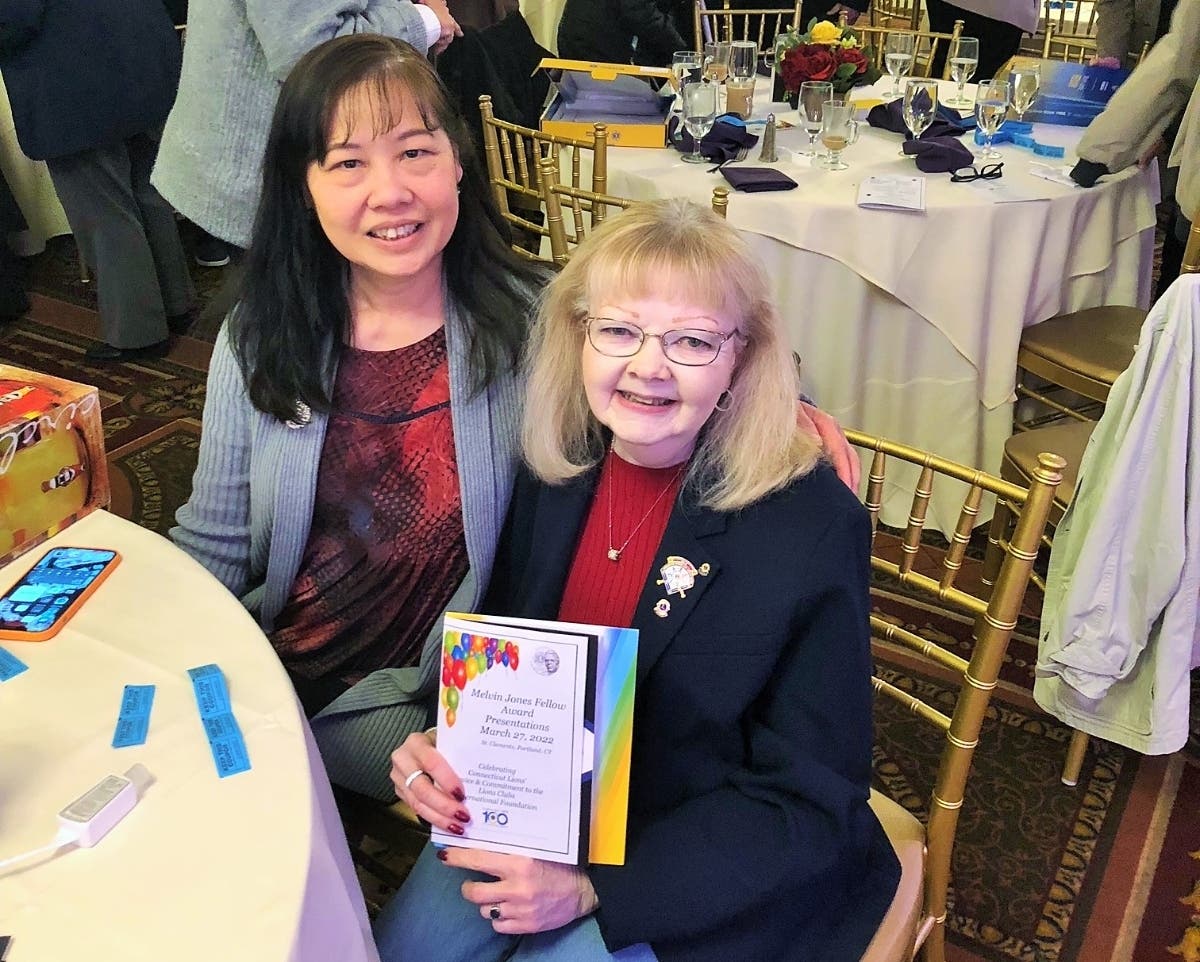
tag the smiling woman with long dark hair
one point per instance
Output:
(360, 425)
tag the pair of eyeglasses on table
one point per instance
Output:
(965, 175)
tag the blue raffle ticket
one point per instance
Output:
(10, 665)
(133, 722)
(220, 727)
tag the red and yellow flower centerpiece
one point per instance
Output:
(824, 52)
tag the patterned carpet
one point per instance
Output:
(1042, 873)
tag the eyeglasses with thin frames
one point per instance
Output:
(691, 347)
(965, 175)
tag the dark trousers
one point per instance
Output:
(13, 301)
(998, 41)
(127, 233)
(1174, 244)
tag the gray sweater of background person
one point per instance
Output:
(237, 54)
(248, 519)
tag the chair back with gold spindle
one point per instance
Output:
(513, 155)
(925, 45)
(995, 616)
(762, 25)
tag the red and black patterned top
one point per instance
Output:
(386, 550)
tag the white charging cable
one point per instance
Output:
(93, 814)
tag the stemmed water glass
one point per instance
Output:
(920, 105)
(898, 58)
(991, 106)
(813, 96)
(964, 58)
(1025, 80)
(699, 114)
(838, 131)
(685, 65)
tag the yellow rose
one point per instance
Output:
(826, 32)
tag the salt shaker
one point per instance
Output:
(767, 155)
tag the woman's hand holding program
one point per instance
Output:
(425, 780)
(529, 895)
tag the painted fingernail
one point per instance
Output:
(462, 816)
(458, 795)
(441, 853)
(455, 828)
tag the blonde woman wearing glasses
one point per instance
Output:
(668, 487)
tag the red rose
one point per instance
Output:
(808, 62)
(855, 56)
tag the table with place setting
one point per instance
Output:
(908, 321)
(216, 860)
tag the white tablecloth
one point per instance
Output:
(909, 323)
(251, 867)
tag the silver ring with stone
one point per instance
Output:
(494, 913)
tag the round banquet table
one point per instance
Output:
(908, 323)
(250, 867)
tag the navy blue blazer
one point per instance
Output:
(86, 73)
(749, 835)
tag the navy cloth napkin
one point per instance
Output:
(937, 155)
(946, 123)
(753, 180)
(722, 143)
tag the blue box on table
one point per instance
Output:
(1071, 94)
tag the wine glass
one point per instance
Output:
(920, 105)
(839, 130)
(699, 113)
(813, 96)
(964, 58)
(685, 64)
(1025, 80)
(991, 106)
(743, 59)
(716, 61)
(898, 58)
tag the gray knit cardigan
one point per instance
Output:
(238, 53)
(247, 521)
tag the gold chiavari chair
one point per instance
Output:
(1079, 48)
(513, 155)
(1076, 19)
(916, 920)
(925, 45)
(1070, 440)
(895, 13)
(760, 25)
(587, 209)
(1070, 48)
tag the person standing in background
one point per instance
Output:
(91, 82)
(1124, 26)
(237, 54)
(13, 300)
(1140, 120)
(620, 31)
(998, 25)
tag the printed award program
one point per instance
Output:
(517, 720)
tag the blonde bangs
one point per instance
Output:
(670, 249)
(648, 267)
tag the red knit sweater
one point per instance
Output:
(604, 592)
